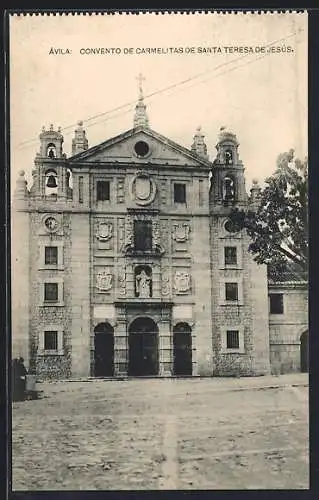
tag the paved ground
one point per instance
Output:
(163, 434)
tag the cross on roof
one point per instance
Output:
(140, 78)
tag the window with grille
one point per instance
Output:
(51, 293)
(179, 193)
(51, 255)
(232, 340)
(276, 301)
(231, 291)
(230, 256)
(51, 341)
(143, 235)
(102, 190)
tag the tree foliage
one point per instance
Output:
(277, 221)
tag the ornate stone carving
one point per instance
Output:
(181, 232)
(142, 189)
(104, 280)
(51, 224)
(143, 285)
(182, 282)
(122, 283)
(156, 233)
(120, 189)
(104, 230)
(165, 282)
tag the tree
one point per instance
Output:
(277, 221)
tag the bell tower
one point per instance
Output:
(240, 332)
(50, 176)
(228, 181)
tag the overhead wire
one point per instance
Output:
(174, 87)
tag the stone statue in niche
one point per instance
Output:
(182, 282)
(143, 284)
(180, 232)
(104, 230)
(104, 281)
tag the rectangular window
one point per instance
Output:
(179, 193)
(276, 303)
(81, 189)
(51, 341)
(230, 256)
(103, 190)
(231, 291)
(232, 339)
(51, 293)
(51, 255)
(143, 235)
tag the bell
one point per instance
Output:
(51, 182)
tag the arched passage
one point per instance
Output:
(182, 340)
(143, 347)
(103, 350)
(304, 352)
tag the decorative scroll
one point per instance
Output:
(122, 283)
(165, 282)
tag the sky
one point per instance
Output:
(260, 96)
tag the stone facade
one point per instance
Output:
(288, 328)
(125, 248)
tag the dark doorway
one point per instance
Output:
(182, 339)
(103, 350)
(304, 352)
(143, 347)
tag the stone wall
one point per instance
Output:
(285, 329)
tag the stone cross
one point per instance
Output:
(140, 80)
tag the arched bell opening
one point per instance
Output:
(51, 151)
(143, 347)
(229, 159)
(182, 342)
(51, 183)
(228, 188)
(103, 350)
(304, 352)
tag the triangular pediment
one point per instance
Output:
(124, 149)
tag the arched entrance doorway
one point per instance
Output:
(304, 352)
(182, 340)
(143, 347)
(103, 350)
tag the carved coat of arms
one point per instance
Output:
(182, 282)
(104, 280)
(104, 230)
(180, 232)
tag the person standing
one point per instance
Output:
(19, 373)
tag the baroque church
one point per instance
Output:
(125, 263)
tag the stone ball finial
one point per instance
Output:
(21, 173)
(80, 123)
(51, 127)
(43, 129)
(255, 182)
(59, 129)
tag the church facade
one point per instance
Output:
(125, 263)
